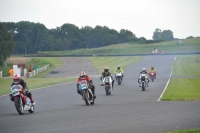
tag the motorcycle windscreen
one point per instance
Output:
(142, 78)
(83, 85)
(15, 89)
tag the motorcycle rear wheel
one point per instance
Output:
(119, 81)
(107, 90)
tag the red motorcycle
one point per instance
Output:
(21, 101)
(152, 75)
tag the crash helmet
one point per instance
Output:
(143, 69)
(152, 67)
(82, 74)
(118, 67)
(106, 69)
(16, 78)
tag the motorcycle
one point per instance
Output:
(152, 76)
(118, 77)
(107, 81)
(143, 82)
(21, 101)
(86, 93)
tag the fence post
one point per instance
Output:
(1, 74)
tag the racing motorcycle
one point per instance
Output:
(152, 76)
(143, 82)
(21, 101)
(107, 81)
(86, 93)
(118, 77)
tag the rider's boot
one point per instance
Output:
(93, 92)
(113, 84)
(139, 84)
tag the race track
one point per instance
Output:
(59, 109)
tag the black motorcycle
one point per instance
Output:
(86, 93)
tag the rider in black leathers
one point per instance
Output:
(107, 73)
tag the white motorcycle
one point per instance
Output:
(143, 81)
(107, 81)
(118, 77)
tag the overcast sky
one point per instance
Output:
(141, 17)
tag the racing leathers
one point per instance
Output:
(89, 82)
(25, 89)
(152, 70)
(146, 78)
(118, 70)
(104, 74)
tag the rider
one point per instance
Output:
(107, 73)
(83, 76)
(152, 69)
(120, 70)
(17, 80)
(146, 76)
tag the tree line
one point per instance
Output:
(26, 37)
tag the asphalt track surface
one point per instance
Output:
(59, 109)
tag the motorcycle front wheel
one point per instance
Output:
(143, 86)
(19, 105)
(86, 98)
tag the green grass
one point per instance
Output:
(182, 89)
(37, 81)
(101, 62)
(188, 45)
(187, 65)
(183, 86)
(33, 83)
(195, 130)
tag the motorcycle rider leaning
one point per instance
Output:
(17, 80)
(146, 77)
(152, 69)
(83, 76)
(107, 73)
(119, 70)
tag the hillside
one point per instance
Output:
(187, 45)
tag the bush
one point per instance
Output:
(5, 69)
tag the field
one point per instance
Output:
(188, 45)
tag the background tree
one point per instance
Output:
(157, 34)
(167, 35)
(6, 44)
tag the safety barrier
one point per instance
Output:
(1, 74)
(39, 70)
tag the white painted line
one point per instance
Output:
(167, 81)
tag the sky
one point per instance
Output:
(141, 17)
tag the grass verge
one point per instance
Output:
(195, 130)
(37, 81)
(183, 85)
(124, 61)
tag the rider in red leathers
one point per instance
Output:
(83, 76)
(17, 80)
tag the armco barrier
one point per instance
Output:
(35, 72)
